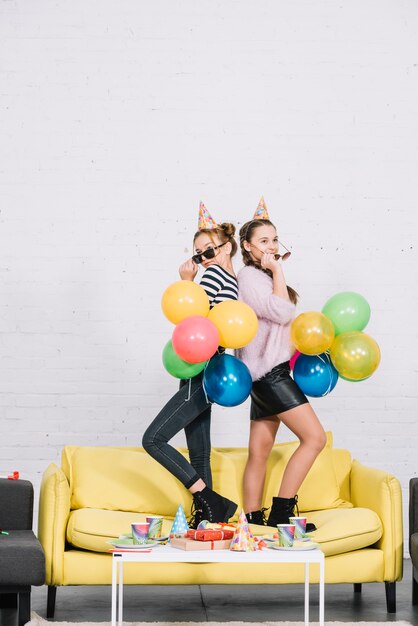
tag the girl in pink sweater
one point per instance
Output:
(275, 397)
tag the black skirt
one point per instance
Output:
(275, 393)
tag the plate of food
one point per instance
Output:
(128, 544)
(298, 545)
(274, 538)
(157, 539)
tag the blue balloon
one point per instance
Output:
(227, 380)
(315, 375)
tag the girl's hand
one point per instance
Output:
(268, 262)
(188, 270)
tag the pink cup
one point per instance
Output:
(300, 526)
(140, 532)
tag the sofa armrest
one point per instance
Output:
(54, 510)
(16, 504)
(381, 492)
(413, 507)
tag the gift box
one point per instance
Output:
(186, 543)
(210, 534)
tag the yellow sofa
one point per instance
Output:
(99, 491)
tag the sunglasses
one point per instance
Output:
(277, 256)
(207, 254)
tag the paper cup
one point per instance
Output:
(140, 532)
(300, 526)
(286, 535)
(155, 526)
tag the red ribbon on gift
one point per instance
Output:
(209, 534)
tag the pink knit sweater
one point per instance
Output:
(271, 345)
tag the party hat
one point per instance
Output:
(206, 221)
(180, 524)
(243, 540)
(261, 212)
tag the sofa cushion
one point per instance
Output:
(91, 529)
(344, 530)
(120, 479)
(22, 559)
(338, 531)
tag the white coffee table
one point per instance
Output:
(168, 554)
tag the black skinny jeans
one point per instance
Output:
(192, 414)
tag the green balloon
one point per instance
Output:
(177, 367)
(348, 311)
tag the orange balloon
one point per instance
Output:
(183, 299)
(236, 322)
(312, 333)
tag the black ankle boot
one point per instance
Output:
(196, 514)
(215, 508)
(257, 517)
(282, 509)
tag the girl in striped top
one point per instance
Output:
(189, 408)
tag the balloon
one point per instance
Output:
(294, 359)
(347, 311)
(177, 367)
(350, 380)
(227, 380)
(195, 339)
(355, 355)
(236, 322)
(183, 299)
(312, 333)
(315, 375)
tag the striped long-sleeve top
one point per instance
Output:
(219, 285)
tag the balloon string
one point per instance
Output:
(190, 389)
(203, 384)
(330, 378)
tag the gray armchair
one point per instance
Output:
(22, 560)
(413, 535)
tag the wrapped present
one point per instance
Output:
(209, 534)
(186, 543)
(216, 525)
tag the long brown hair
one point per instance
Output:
(225, 232)
(245, 234)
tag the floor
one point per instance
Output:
(226, 603)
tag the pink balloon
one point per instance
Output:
(294, 359)
(195, 339)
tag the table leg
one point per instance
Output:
(120, 607)
(321, 592)
(306, 594)
(114, 586)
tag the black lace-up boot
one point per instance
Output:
(196, 515)
(213, 507)
(282, 509)
(257, 517)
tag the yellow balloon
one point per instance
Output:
(312, 333)
(355, 355)
(183, 299)
(236, 322)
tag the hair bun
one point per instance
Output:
(228, 228)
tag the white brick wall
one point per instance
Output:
(116, 119)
